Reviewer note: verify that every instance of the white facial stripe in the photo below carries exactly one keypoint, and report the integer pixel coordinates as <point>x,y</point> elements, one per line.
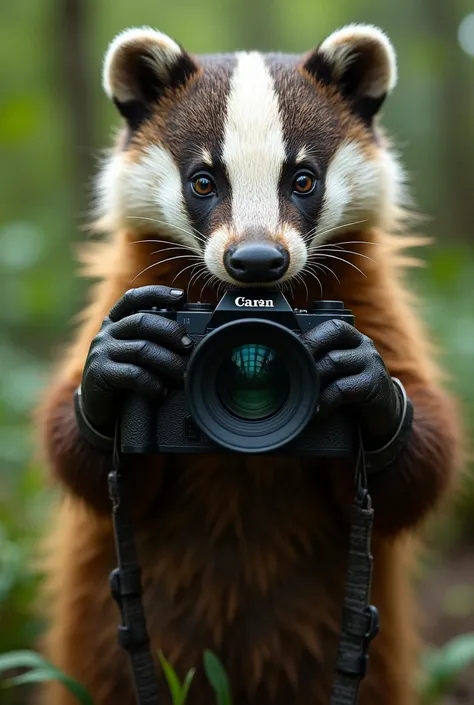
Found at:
<point>359,190</point>
<point>147,194</point>
<point>254,149</point>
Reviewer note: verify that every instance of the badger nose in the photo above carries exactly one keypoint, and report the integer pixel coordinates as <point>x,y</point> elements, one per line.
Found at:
<point>255,262</point>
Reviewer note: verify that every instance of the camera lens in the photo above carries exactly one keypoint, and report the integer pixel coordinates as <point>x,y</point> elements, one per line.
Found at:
<point>253,382</point>
<point>251,386</point>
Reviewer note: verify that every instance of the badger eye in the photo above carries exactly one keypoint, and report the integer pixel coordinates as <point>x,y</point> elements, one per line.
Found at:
<point>304,183</point>
<point>203,185</point>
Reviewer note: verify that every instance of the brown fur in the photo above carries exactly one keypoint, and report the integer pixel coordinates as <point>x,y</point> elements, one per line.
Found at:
<point>246,556</point>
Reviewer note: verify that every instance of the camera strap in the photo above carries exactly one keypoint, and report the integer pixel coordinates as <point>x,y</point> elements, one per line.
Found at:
<point>359,624</point>
<point>126,588</point>
<point>360,619</point>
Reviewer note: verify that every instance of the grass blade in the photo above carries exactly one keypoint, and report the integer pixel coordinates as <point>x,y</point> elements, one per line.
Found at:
<point>187,684</point>
<point>179,693</point>
<point>217,677</point>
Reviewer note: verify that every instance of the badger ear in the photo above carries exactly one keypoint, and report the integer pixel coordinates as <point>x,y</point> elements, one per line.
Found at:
<point>140,64</point>
<point>359,60</point>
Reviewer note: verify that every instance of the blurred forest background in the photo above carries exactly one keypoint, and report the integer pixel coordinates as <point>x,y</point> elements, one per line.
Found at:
<point>54,121</point>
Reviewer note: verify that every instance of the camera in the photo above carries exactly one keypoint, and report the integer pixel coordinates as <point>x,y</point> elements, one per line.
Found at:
<point>251,384</point>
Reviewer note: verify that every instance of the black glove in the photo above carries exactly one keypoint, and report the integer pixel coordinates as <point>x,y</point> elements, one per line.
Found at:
<point>353,372</point>
<point>139,353</point>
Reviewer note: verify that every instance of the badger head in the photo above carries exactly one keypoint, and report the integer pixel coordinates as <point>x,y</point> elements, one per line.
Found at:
<point>250,160</point>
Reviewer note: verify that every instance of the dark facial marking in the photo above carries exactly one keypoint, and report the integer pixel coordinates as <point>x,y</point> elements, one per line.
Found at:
<point>196,122</point>
<point>310,120</point>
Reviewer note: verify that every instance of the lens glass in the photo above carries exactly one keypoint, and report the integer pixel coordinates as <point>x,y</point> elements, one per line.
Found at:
<point>253,382</point>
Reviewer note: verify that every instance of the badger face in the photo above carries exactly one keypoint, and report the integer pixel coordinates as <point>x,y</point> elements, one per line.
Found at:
<point>250,160</point>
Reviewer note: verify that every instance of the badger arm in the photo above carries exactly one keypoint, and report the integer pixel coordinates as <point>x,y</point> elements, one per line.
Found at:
<point>79,467</point>
<point>405,491</point>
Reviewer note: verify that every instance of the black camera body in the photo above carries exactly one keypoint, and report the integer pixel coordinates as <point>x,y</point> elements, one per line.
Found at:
<point>251,385</point>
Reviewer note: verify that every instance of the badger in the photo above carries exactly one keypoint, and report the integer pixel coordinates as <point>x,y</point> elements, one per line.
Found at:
<point>246,170</point>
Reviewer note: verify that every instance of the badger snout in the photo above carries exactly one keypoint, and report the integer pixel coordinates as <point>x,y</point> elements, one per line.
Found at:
<point>256,262</point>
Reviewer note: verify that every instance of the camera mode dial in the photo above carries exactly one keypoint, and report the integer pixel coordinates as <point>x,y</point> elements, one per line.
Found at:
<point>327,305</point>
<point>198,307</point>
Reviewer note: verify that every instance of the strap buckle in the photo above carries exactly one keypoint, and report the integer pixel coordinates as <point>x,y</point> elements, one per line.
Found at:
<point>132,638</point>
<point>372,631</point>
<point>125,584</point>
<point>374,623</point>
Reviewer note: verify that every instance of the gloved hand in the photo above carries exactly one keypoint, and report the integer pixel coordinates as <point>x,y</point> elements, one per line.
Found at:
<point>138,353</point>
<point>353,373</point>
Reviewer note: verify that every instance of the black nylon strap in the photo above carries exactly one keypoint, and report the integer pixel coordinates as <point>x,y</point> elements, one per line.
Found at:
<point>126,589</point>
<point>360,621</point>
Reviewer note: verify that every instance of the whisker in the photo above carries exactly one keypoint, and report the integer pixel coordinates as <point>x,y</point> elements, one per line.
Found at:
<point>156,264</point>
<point>183,270</point>
<point>330,230</point>
<point>351,264</point>
<point>322,267</point>
<point>208,281</point>
<point>198,273</point>
<point>342,250</point>
<point>196,277</point>
<point>350,242</point>
<point>300,279</point>
<point>318,280</point>
<point>162,242</point>
<point>170,225</point>
<point>168,249</point>
<point>197,234</point>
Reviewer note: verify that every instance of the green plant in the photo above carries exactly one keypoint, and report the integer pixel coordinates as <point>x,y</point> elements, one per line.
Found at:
<point>40,670</point>
<point>217,677</point>
<point>179,692</point>
<point>442,667</point>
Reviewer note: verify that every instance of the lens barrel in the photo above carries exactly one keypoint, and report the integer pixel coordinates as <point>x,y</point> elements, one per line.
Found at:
<point>251,386</point>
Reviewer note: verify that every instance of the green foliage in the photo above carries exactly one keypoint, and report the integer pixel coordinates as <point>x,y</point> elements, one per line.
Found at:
<point>217,677</point>
<point>39,671</point>
<point>442,667</point>
<point>179,691</point>
<point>215,673</point>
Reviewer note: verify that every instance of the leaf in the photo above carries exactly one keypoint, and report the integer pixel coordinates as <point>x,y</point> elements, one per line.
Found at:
<point>443,666</point>
<point>179,693</point>
<point>20,659</point>
<point>187,684</point>
<point>41,671</point>
<point>217,677</point>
